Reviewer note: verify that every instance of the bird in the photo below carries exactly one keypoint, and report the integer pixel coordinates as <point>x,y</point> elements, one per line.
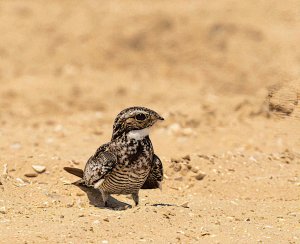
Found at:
<point>127,163</point>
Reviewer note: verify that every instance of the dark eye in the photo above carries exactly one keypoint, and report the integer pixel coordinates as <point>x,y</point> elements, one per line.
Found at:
<point>140,117</point>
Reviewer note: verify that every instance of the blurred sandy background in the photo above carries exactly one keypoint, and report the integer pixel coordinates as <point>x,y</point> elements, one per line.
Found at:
<point>224,74</point>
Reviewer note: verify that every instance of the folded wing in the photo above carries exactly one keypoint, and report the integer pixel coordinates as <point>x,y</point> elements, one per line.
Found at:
<point>155,176</point>
<point>98,166</point>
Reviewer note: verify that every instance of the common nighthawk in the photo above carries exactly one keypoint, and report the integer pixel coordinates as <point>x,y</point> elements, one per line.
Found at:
<point>127,163</point>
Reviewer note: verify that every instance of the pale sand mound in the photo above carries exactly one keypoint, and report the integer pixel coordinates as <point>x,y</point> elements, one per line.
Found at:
<point>284,99</point>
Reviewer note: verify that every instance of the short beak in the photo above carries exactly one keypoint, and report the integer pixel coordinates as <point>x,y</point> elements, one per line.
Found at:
<point>160,118</point>
<point>156,117</point>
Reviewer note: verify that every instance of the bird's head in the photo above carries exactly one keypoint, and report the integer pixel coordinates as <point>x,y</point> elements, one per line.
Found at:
<point>134,121</point>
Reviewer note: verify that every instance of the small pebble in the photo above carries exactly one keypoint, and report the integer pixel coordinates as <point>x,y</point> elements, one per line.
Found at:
<point>39,168</point>
<point>70,204</point>
<point>177,167</point>
<point>31,175</point>
<point>3,210</point>
<point>200,176</point>
<point>106,219</point>
<point>187,157</point>
<point>175,160</point>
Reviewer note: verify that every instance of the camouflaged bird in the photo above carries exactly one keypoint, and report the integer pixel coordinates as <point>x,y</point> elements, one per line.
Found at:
<point>127,163</point>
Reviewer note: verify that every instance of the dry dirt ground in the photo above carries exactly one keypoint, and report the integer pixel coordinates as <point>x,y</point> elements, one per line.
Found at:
<point>222,73</point>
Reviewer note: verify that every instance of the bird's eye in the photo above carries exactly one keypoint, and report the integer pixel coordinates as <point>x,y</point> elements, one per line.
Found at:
<point>140,117</point>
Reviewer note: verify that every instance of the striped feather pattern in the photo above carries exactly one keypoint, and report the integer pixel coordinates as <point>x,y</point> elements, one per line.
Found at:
<point>124,181</point>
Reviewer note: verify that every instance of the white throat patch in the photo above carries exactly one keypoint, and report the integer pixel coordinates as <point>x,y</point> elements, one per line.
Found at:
<point>138,134</point>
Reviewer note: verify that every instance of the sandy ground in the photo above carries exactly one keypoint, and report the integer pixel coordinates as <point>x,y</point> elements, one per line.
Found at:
<point>222,73</point>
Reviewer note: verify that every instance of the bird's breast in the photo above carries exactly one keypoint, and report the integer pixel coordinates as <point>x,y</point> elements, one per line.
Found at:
<point>132,169</point>
<point>135,153</point>
<point>125,179</point>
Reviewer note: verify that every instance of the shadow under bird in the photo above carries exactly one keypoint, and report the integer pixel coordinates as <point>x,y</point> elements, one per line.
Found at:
<point>127,163</point>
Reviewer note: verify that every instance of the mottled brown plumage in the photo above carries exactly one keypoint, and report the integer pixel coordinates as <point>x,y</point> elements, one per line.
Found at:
<point>127,163</point>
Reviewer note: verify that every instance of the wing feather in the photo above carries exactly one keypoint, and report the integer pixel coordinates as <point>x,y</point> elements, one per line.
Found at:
<point>98,166</point>
<point>74,171</point>
<point>155,176</point>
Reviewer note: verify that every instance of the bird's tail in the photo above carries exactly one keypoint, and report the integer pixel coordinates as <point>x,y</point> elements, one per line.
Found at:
<point>74,171</point>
